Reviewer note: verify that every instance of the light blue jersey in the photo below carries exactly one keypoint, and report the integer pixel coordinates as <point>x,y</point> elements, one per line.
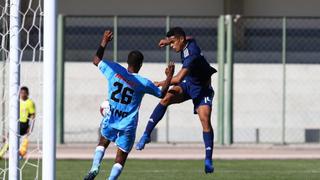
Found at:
<point>125,92</point>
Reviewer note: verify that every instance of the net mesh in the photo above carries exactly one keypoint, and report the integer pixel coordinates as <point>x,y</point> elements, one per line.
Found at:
<point>30,51</point>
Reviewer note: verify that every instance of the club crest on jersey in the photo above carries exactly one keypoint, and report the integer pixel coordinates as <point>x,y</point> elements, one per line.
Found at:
<point>185,52</point>
<point>207,99</point>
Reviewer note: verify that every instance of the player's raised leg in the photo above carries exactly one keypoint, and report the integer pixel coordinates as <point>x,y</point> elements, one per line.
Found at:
<point>174,95</point>
<point>204,112</point>
<point>97,158</point>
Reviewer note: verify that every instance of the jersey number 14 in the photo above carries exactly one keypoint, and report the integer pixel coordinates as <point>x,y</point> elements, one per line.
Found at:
<point>126,93</point>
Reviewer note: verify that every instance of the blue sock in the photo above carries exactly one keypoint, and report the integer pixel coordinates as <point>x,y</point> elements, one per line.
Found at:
<point>98,155</point>
<point>155,117</point>
<point>115,171</point>
<point>208,142</point>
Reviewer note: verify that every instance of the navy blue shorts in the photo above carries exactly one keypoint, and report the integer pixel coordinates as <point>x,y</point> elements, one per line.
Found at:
<point>200,95</point>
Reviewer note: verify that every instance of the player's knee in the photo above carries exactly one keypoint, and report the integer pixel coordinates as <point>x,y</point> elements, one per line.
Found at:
<point>166,100</point>
<point>206,124</point>
<point>205,121</point>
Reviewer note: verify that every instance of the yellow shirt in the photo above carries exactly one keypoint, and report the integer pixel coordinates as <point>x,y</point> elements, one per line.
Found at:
<point>27,108</point>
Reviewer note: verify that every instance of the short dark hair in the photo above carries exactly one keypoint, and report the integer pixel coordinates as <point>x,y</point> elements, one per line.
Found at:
<point>135,58</point>
<point>24,88</point>
<point>177,32</point>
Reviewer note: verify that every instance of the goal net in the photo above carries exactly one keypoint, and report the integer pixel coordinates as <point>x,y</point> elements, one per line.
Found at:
<point>30,64</point>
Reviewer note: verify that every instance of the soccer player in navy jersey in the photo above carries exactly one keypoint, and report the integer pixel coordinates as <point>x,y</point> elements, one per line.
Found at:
<point>125,91</point>
<point>193,81</point>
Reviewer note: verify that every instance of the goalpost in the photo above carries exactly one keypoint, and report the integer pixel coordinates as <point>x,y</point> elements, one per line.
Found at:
<point>14,84</point>
<point>49,65</point>
<point>48,78</point>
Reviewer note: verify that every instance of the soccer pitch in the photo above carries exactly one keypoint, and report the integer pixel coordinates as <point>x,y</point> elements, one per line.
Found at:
<point>190,169</point>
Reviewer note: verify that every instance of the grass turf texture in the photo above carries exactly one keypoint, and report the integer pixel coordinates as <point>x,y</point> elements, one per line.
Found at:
<point>190,169</point>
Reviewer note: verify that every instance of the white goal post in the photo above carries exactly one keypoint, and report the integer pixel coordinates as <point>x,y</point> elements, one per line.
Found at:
<point>14,84</point>
<point>49,66</point>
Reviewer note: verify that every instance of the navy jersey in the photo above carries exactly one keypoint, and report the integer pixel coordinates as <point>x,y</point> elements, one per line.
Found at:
<point>125,92</point>
<point>200,70</point>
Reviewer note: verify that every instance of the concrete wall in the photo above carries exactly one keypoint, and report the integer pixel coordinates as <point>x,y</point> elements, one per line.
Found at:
<point>86,90</point>
<point>257,103</point>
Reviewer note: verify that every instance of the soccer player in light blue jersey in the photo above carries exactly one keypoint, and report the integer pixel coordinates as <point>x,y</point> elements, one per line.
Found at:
<point>125,91</point>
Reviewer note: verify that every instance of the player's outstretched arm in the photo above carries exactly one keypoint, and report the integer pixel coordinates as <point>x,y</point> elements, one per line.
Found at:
<point>107,36</point>
<point>167,41</point>
<point>180,76</point>
<point>166,83</point>
<point>164,42</point>
<point>176,79</point>
<point>31,123</point>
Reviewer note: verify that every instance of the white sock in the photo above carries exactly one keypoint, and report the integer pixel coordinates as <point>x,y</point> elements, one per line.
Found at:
<point>115,171</point>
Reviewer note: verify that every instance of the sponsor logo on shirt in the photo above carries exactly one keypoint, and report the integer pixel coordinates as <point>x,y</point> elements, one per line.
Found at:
<point>185,52</point>
<point>130,83</point>
<point>117,112</point>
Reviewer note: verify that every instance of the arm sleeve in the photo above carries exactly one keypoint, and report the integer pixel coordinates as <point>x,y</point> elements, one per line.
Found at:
<point>150,88</point>
<point>32,108</point>
<point>188,62</point>
<point>107,67</point>
<point>189,55</point>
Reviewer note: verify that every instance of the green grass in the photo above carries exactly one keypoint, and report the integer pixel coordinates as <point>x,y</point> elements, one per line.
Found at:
<point>190,169</point>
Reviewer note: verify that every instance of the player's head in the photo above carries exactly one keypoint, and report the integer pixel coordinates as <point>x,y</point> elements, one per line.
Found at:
<point>135,60</point>
<point>24,92</point>
<point>177,38</point>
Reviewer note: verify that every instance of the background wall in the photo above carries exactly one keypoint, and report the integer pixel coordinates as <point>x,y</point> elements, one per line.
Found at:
<point>257,103</point>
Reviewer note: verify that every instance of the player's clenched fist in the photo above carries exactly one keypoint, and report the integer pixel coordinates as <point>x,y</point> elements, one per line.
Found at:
<point>164,42</point>
<point>170,69</point>
<point>157,83</point>
<point>107,36</point>
<point>169,73</point>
